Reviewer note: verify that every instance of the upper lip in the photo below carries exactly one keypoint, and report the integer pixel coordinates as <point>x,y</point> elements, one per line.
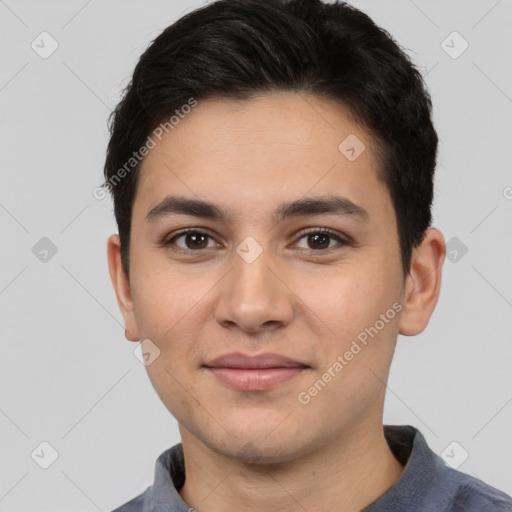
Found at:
<point>266,360</point>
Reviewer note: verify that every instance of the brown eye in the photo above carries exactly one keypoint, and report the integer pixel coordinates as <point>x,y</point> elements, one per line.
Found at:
<point>193,240</point>
<point>320,239</point>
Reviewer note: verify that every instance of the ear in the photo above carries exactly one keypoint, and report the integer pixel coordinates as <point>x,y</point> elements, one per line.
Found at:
<point>423,283</point>
<point>121,287</point>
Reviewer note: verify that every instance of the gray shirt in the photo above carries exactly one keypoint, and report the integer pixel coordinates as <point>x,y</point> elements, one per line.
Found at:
<point>427,484</point>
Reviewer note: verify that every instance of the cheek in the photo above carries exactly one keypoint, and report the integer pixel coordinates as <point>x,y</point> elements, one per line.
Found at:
<point>170,309</point>
<point>166,309</point>
<point>165,300</point>
<point>351,303</point>
<point>174,391</point>
<point>349,298</point>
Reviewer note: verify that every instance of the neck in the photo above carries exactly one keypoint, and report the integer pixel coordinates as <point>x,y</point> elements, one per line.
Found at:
<point>346,474</point>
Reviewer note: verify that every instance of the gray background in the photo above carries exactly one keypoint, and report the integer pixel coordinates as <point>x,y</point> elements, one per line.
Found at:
<point>68,376</point>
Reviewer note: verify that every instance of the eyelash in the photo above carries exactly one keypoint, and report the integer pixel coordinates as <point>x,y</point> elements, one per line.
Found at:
<point>309,231</point>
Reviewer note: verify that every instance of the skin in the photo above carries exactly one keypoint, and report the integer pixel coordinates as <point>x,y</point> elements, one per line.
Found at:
<point>264,450</point>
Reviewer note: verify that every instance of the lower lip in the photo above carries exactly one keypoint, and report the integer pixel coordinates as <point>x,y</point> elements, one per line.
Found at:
<point>255,379</point>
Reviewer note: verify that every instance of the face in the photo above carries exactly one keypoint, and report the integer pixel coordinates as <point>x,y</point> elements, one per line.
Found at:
<point>296,255</point>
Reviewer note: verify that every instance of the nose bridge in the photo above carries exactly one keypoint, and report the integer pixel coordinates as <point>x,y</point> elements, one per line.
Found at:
<point>251,273</point>
<point>253,297</point>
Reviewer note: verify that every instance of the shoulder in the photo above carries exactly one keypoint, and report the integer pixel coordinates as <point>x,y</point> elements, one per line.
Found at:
<point>169,476</point>
<point>473,495</point>
<point>137,504</point>
<point>429,484</point>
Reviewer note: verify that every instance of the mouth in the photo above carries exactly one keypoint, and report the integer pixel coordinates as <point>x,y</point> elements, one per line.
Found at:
<point>254,373</point>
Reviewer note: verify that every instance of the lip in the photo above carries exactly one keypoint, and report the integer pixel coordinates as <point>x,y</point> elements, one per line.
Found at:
<point>254,373</point>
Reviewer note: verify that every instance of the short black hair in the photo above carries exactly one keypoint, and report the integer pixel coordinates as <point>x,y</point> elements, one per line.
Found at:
<point>240,48</point>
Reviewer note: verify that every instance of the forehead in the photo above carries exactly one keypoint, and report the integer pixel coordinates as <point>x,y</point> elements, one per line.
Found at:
<point>270,146</point>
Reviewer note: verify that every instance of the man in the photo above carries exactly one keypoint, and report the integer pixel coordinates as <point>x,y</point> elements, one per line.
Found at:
<point>271,164</point>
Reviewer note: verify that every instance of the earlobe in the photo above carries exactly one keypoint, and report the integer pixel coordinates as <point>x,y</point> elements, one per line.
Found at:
<point>423,283</point>
<point>121,285</point>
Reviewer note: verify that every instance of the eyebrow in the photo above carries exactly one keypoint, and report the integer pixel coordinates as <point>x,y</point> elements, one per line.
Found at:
<point>302,207</point>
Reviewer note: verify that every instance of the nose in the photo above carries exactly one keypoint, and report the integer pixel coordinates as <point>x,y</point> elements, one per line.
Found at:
<point>254,297</point>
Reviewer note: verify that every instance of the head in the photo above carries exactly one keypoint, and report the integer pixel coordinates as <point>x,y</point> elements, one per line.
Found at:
<point>295,138</point>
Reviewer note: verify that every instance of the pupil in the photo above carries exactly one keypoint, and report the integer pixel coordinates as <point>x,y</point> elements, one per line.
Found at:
<point>316,237</point>
<point>195,236</point>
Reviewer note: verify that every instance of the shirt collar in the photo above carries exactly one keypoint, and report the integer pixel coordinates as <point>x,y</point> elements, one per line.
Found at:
<point>418,486</point>
<point>423,470</point>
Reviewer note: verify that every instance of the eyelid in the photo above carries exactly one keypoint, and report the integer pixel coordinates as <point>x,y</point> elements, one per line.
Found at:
<point>343,240</point>
<point>166,242</point>
<point>326,231</point>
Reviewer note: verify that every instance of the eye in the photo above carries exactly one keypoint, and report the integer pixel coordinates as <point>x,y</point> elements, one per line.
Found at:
<point>320,238</point>
<point>193,240</point>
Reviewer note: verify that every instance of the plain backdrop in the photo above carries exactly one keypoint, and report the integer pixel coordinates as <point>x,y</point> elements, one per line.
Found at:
<point>69,378</point>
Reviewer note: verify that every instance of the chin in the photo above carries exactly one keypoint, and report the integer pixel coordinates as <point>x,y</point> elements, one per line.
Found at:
<point>260,444</point>
<point>259,453</point>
